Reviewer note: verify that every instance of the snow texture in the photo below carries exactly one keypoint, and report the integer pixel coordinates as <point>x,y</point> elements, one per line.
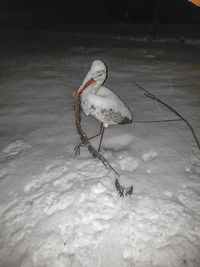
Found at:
<point>59,210</point>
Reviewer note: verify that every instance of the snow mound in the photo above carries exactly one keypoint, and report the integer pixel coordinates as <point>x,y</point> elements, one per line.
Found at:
<point>118,142</point>
<point>149,155</point>
<point>127,163</point>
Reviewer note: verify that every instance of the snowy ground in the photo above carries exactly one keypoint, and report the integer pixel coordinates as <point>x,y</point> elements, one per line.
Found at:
<point>59,210</point>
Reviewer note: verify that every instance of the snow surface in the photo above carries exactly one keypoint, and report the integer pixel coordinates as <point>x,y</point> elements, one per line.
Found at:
<point>59,210</point>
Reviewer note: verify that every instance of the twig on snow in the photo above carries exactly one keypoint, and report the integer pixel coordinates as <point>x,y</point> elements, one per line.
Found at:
<point>150,95</point>
<point>123,191</point>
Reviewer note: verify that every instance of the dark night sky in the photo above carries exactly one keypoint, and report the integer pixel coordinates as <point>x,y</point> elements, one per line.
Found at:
<point>134,11</point>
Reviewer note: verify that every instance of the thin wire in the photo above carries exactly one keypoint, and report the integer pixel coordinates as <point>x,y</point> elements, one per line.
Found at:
<point>152,121</point>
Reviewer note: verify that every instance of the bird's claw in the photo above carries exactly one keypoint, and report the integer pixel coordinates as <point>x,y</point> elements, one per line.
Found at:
<point>77,149</point>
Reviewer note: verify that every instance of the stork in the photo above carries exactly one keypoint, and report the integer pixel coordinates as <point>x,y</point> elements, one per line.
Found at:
<point>100,101</point>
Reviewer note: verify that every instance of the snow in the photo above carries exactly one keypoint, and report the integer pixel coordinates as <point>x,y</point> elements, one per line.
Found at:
<point>59,210</point>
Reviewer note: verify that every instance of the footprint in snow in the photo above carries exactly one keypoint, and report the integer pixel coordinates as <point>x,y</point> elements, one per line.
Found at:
<point>4,171</point>
<point>189,197</point>
<point>127,163</point>
<point>54,172</point>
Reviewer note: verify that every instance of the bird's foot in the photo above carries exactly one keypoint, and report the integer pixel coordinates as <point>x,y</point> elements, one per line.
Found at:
<point>78,148</point>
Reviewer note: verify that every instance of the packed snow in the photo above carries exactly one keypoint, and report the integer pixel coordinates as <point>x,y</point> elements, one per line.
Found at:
<point>62,210</point>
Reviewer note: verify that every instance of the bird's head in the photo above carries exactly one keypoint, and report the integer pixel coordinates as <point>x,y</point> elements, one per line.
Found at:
<point>97,74</point>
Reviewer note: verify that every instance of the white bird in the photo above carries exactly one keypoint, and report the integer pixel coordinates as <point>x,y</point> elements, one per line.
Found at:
<point>101,102</point>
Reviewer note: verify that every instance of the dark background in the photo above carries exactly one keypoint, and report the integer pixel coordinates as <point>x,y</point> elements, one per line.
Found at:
<point>135,18</point>
<point>134,11</point>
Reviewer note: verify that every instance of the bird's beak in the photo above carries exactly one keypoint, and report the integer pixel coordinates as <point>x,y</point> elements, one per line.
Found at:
<point>85,86</point>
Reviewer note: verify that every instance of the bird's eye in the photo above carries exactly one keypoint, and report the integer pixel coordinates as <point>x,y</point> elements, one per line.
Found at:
<point>99,74</point>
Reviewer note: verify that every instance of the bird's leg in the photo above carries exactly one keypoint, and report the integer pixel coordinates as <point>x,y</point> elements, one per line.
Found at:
<point>102,132</point>
<point>101,127</point>
<point>78,147</point>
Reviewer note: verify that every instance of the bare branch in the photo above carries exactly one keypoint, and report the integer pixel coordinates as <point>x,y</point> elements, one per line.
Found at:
<point>123,191</point>
<point>150,95</point>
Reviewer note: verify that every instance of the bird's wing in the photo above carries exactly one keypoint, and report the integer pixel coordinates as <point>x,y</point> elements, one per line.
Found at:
<point>107,99</point>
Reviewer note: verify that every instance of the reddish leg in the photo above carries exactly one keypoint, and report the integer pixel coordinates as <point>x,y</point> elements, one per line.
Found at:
<point>78,147</point>
<point>101,139</point>
<point>101,127</point>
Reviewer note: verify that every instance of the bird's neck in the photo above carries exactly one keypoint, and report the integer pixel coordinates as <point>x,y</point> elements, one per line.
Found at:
<point>96,86</point>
